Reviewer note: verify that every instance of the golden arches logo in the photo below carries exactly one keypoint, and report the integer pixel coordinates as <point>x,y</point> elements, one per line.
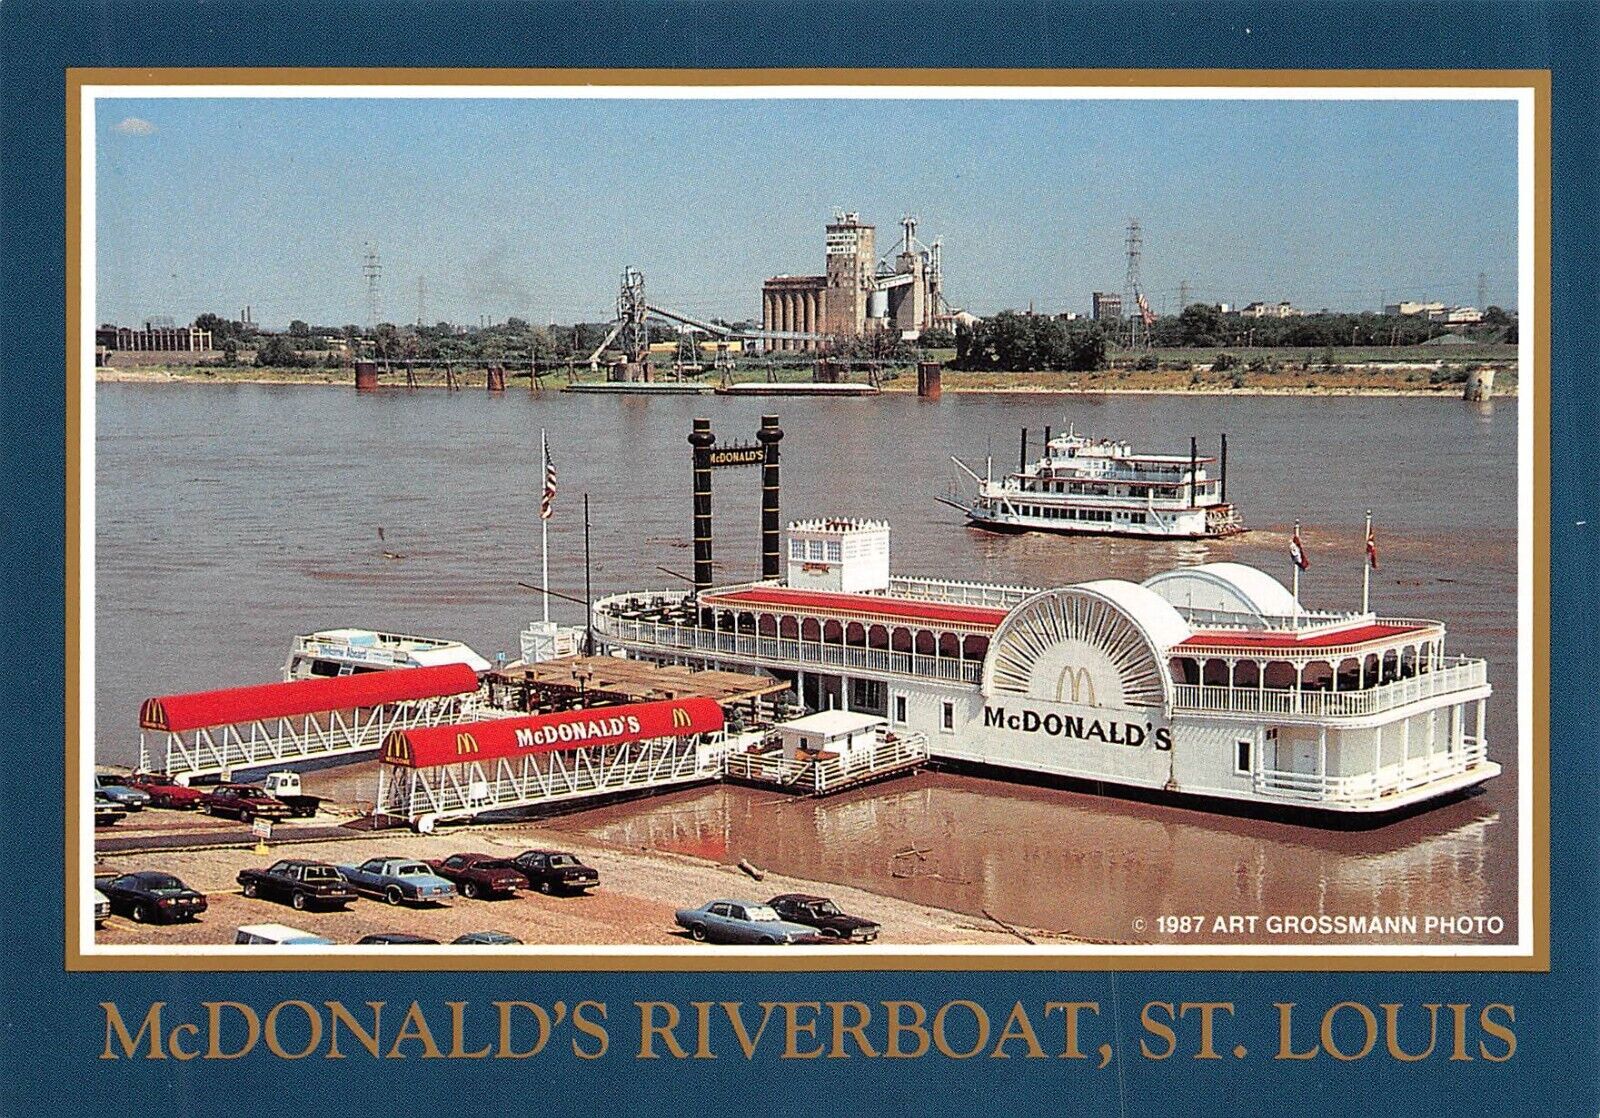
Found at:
<point>466,743</point>
<point>680,719</point>
<point>1075,686</point>
<point>397,748</point>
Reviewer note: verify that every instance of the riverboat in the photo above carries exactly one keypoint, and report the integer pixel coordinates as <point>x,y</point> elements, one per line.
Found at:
<point>1089,486</point>
<point>1207,683</point>
<point>343,652</point>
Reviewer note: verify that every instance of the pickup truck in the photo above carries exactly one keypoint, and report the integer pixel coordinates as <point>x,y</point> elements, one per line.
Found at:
<point>285,786</point>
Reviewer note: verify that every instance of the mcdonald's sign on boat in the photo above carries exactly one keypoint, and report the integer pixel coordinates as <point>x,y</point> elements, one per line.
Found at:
<point>1206,683</point>
<point>549,733</point>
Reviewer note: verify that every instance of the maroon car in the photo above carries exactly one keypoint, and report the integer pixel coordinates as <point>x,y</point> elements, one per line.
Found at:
<point>164,791</point>
<point>479,875</point>
<point>245,802</point>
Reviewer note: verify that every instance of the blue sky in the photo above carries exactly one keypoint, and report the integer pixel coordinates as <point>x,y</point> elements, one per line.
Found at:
<point>533,207</point>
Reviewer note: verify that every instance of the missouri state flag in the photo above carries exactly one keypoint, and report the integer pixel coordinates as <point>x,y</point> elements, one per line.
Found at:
<point>1297,550</point>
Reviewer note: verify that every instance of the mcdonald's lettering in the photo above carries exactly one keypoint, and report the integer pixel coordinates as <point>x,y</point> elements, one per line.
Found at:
<point>1077,728</point>
<point>579,732</point>
<point>466,743</point>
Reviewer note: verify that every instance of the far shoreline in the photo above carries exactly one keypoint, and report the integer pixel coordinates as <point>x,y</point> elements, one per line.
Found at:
<point>995,384</point>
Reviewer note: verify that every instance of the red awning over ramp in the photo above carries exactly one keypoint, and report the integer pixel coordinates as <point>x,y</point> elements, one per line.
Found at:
<point>233,705</point>
<point>550,733</point>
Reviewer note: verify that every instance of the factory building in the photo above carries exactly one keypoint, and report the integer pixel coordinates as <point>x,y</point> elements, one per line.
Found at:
<point>1107,306</point>
<point>857,294</point>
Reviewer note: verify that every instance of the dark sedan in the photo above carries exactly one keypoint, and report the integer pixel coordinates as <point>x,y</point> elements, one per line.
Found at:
<point>385,939</point>
<point>555,871</point>
<point>490,939</point>
<point>150,896</point>
<point>298,883</point>
<point>245,802</point>
<point>825,916</point>
<point>480,875</point>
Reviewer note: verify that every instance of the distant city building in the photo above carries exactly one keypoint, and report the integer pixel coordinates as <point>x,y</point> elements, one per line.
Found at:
<point>1411,307</point>
<point>154,337</point>
<point>1270,310</point>
<point>1456,316</point>
<point>1106,305</point>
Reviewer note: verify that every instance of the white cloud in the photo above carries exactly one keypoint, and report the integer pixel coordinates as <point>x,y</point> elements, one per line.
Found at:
<point>134,126</point>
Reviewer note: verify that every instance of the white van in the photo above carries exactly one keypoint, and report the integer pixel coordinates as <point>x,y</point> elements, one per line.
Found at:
<point>278,934</point>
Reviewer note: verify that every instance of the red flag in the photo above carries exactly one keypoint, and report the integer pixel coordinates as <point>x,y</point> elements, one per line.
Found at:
<point>1297,551</point>
<point>547,500</point>
<point>1372,547</point>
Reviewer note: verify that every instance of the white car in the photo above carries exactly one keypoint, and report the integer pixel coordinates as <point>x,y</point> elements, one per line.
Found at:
<point>278,934</point>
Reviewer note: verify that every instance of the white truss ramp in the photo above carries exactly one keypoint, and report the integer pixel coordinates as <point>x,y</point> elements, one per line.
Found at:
<point>215,733</point>
<point>456,772</point>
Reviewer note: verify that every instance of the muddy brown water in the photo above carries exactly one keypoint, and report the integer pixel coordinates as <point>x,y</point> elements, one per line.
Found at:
<point>230,518</point>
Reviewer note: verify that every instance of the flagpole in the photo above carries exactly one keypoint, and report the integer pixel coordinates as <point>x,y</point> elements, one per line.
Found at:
<point>1366,562</point>
<point>544,529</point>
<point>1296,565</point>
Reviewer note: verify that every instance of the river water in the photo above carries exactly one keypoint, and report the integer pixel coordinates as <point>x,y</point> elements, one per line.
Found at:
<point>230,518</point>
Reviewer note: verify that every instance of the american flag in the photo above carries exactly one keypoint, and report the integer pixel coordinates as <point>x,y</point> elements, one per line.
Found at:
<point>1372,546</point>
<point>548,498</point>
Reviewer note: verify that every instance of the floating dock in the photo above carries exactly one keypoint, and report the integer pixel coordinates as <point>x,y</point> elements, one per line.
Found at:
<point>641,388</point>
<point>759,388</point>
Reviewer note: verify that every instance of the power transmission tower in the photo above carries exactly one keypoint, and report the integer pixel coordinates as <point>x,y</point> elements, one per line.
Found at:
<point>1183,296</point>
<point>1134,305</point>
<point>422,301</point>
<point>371,269</point>
<point>1483,290</point>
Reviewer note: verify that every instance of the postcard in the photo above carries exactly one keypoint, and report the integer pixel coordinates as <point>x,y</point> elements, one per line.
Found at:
<point>708,569</point>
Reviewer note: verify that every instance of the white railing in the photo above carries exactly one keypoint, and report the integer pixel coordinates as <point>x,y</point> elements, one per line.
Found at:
<point>892,750</point>
<point>1460,675</point>
<point>781,652</point>
<point>213,750</point>
<point>471,788</point>
<point>1369,787</point>
<point>959,593</point>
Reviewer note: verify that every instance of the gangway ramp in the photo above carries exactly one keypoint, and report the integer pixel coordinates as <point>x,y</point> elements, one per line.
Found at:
<point>214,733</point>
<point>450,772</point>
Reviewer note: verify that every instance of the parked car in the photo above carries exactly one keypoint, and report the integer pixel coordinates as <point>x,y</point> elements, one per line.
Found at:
<point>298,883</point>
<point>742,922</point>
<point>245,802</point>
<point>387,938</point>
<point>555,871</point>
<point>823,915</point>
<point>285,786</point>
<point>278,934</point>
<point>113,789</point>
<point>102,909</point>
<point>480,875</point>
<point>164,791</point>
<point>398,880</point>
<point>106,812</point>
<point>487,938</point>
<point>148,896</point>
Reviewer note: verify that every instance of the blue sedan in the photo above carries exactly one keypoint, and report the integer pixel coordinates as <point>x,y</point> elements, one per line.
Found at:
<point>398,881</point>
<point>743,922</point>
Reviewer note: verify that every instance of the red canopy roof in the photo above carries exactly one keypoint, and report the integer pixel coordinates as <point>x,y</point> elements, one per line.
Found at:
<point>878,605</point>
<point>305,696</point>
<point>550,733</point>
<point>1279,641</point>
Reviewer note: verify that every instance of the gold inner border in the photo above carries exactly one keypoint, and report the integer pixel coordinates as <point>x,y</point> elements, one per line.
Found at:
<point>1303,959</point>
